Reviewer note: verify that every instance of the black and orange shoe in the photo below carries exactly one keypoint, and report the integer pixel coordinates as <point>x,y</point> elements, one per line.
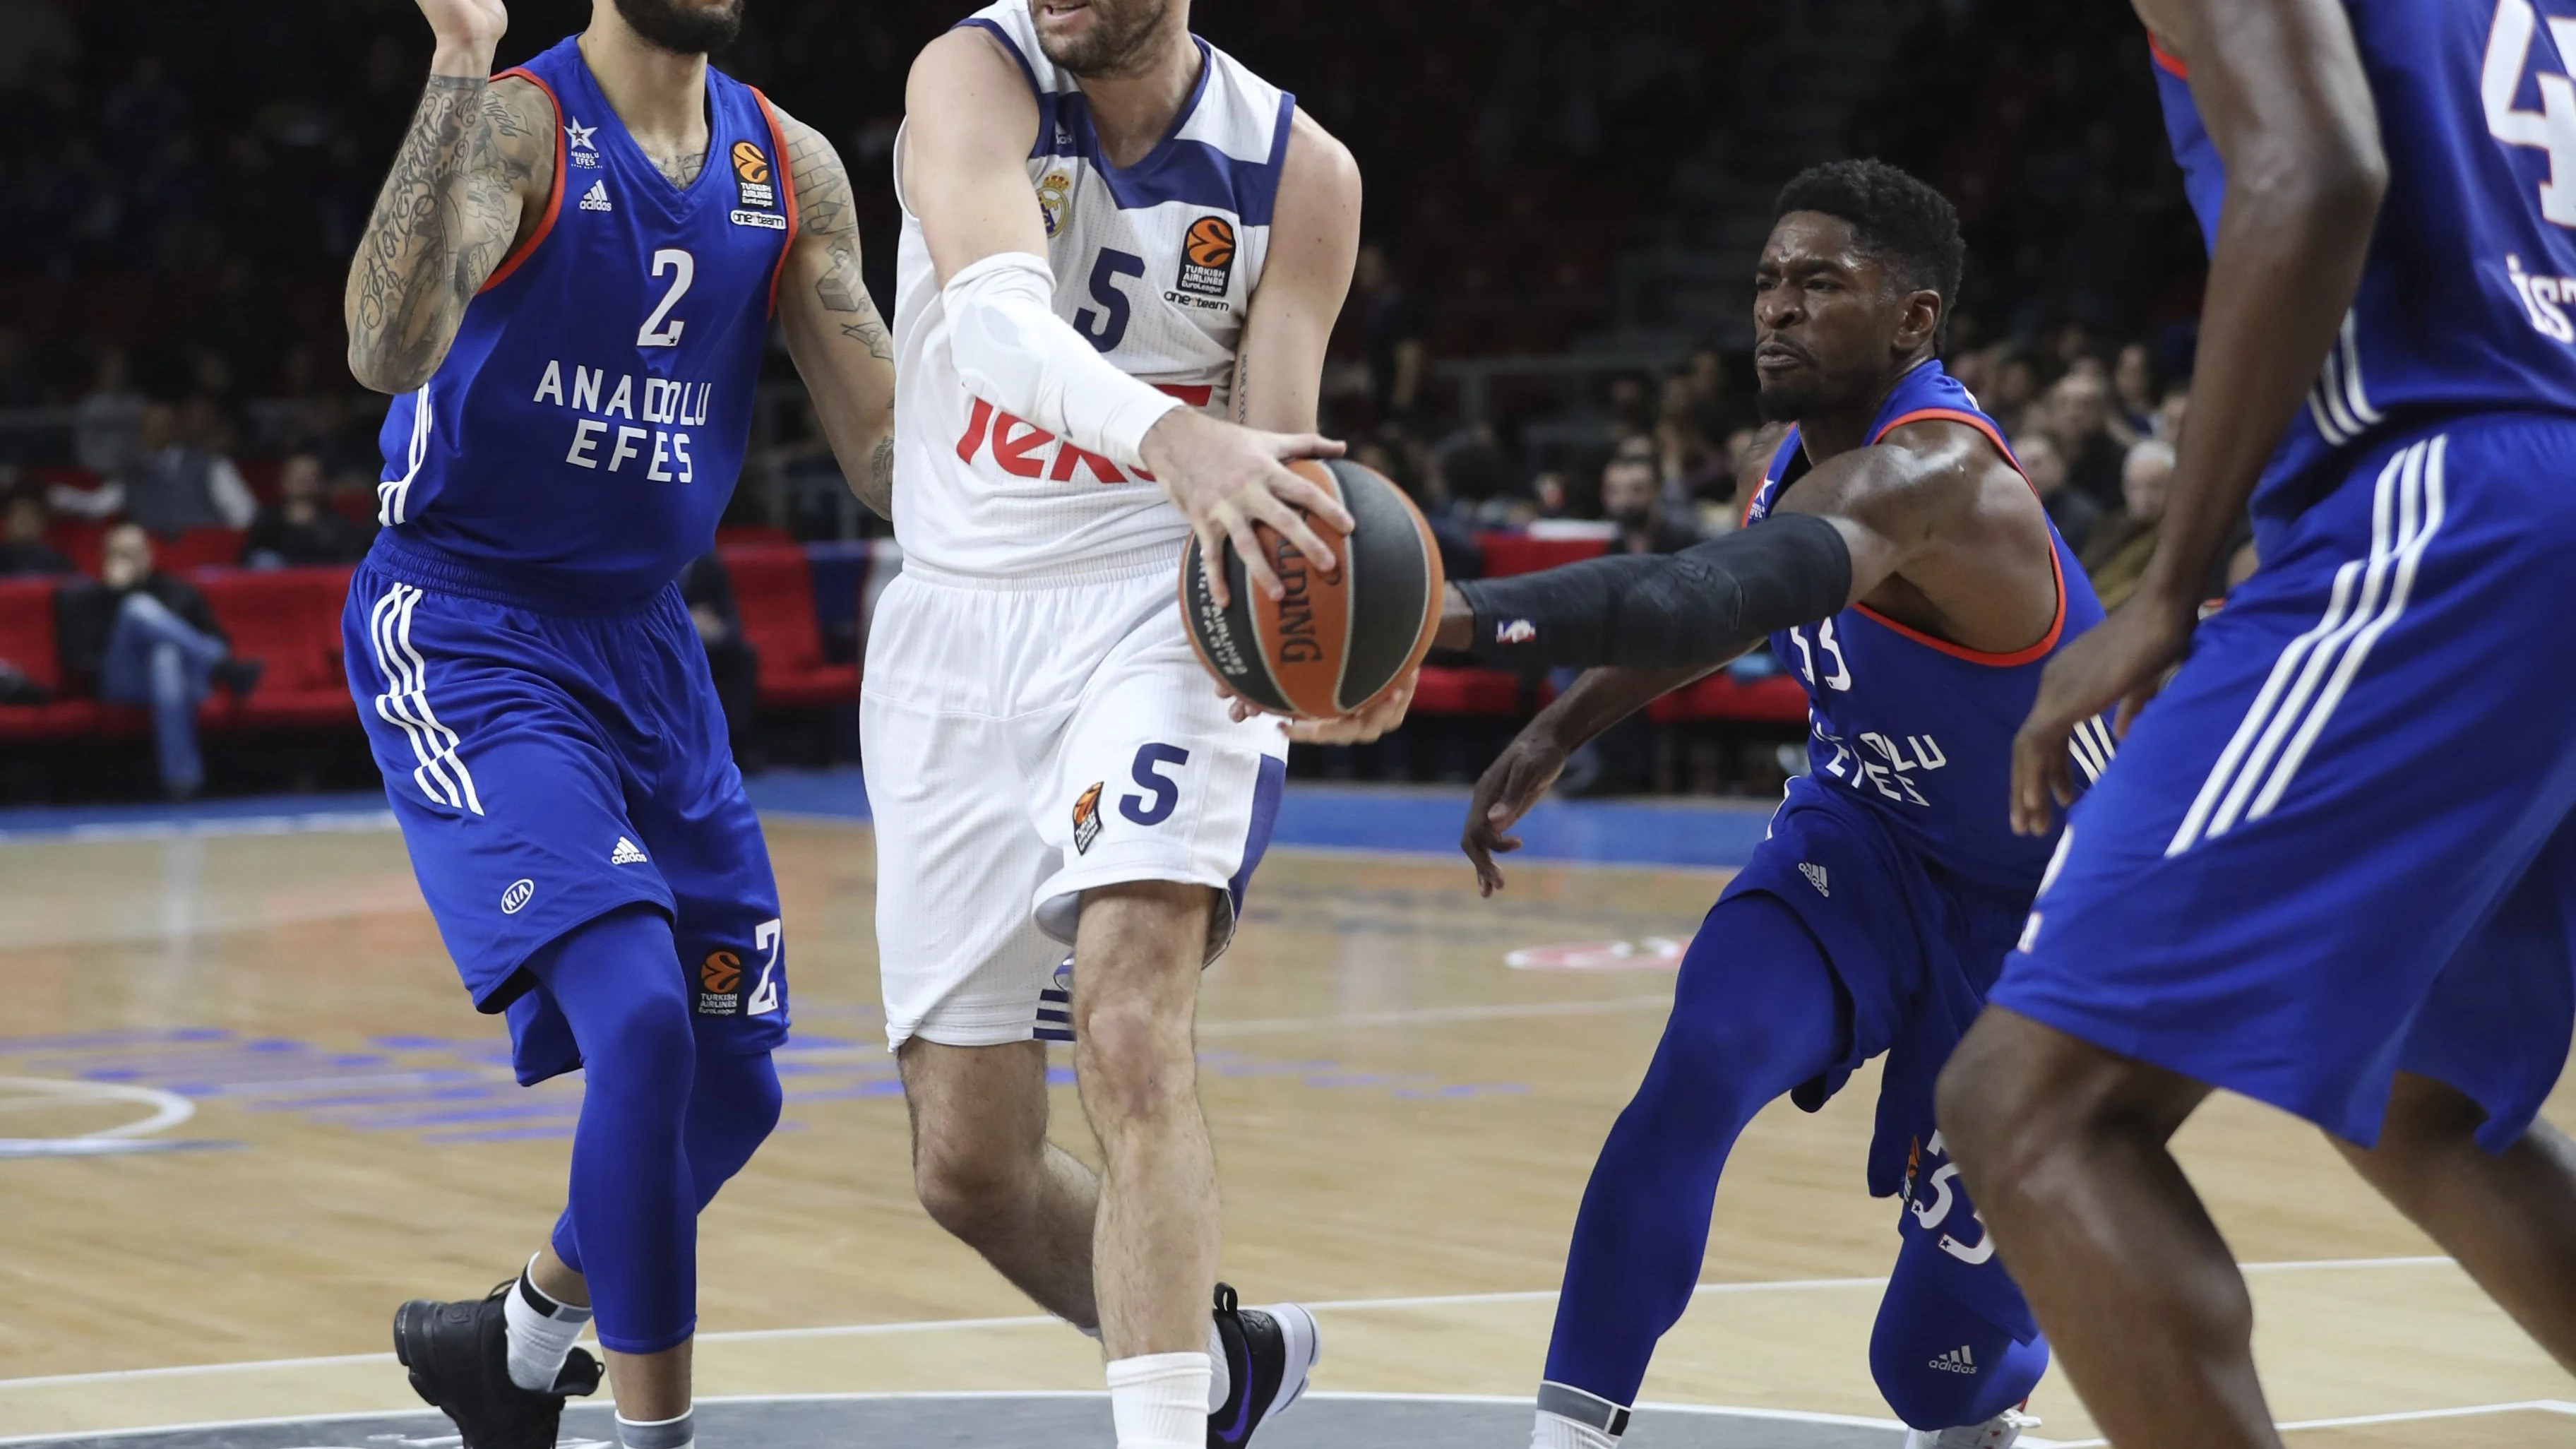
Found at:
<point>1268,1354</point>
<point>459,1357</point>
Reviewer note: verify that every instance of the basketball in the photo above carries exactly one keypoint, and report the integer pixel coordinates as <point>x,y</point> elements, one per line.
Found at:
<point>1331,642</point>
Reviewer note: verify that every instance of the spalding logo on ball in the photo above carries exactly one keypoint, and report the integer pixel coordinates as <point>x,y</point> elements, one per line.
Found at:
<point>1333,641</point>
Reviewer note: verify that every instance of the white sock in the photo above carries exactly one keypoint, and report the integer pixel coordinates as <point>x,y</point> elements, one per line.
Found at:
<point>541,1334</point>
<point>679,1433</point>
<point>1555,1431</point>
<point>1221,1380</point>
<point>1159,1400</point>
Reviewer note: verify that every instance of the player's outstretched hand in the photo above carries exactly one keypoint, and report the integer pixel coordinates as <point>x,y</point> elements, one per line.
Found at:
<point>1364,725</point>
<point>1227,478</point>
<point>2122,660</point>
<point>1510,786</point>
<point>466,29</point>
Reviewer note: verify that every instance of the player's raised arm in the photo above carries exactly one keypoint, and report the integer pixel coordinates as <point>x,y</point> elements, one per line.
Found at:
<point>969,120</point>
<point>2280,86</point>
<point>1859,519</point>
<point>834,331</point>
<point>460,191</point>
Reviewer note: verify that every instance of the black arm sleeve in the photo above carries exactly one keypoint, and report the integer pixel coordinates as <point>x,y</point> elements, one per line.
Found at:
<point>1703,605</point>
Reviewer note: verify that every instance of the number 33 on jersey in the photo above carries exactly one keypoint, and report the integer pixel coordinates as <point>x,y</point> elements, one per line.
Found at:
<point>592,414</point>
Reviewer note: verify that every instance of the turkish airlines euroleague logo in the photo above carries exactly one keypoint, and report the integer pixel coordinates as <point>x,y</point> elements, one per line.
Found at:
<point>1207,258</point>
<point>751,176</point>
<point>720,984</point>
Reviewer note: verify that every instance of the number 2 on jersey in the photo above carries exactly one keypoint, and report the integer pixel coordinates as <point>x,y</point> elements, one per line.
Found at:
<point>653,333</point>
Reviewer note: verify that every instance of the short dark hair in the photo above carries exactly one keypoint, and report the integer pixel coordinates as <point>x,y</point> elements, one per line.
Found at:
<point>1905,223</point>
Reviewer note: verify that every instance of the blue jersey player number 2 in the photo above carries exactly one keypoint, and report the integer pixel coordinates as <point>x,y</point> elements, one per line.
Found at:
<point>568,285</point>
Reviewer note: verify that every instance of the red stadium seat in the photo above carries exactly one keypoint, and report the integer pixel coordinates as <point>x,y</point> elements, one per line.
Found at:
<point>1776,699</point>
<point>196,549</point>
<point>773,590</point>
<point>1446,691</point>
<point>82,540</point>
<point>27,641</point>
<point>745,535</point>
<point>289,619</point>
<point>1515,553</point>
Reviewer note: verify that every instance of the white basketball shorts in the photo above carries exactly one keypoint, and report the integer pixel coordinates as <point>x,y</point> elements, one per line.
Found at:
<point>1026,741</point>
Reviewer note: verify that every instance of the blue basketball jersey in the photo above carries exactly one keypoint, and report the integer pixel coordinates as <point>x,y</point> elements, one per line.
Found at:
<point>1917,728</point>
<point>583,434</point>
<point>2465,302</point>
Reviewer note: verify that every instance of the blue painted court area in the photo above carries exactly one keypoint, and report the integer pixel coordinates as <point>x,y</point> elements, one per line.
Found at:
<point>1401,820</point>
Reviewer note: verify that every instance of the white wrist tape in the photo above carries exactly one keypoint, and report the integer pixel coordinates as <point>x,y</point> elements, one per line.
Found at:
<point>1014,352</point>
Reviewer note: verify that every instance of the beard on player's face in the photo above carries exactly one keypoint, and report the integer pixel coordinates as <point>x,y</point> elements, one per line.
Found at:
<point>1103,38</point>
<point>681,27</point>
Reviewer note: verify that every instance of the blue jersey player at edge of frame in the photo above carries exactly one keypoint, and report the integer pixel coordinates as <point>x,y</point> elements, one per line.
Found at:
<point>2334,869</point>
<point>1900,562</point>
<point>568,283</point>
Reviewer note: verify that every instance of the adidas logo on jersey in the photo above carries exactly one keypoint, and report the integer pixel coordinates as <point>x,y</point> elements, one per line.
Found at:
<point>1957,1361</point>
<point>1815,875</point>
<point>627,853</point>
<point>596,198</point>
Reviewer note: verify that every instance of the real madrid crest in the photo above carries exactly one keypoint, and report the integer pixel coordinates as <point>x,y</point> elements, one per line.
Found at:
<point>1055,193</point>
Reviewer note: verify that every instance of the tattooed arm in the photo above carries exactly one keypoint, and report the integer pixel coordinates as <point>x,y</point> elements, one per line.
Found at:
<point>840,342</point>
<point>470,179</point>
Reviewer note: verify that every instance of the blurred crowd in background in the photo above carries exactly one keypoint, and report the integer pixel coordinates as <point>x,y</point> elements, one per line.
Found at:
<point>183,184</point>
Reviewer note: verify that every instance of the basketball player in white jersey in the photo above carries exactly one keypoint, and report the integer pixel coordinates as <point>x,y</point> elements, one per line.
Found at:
<point>1122,255</point>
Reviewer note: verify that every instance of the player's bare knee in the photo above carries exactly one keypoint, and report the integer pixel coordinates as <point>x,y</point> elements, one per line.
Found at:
<point>1980,1092</point>
<point>2427,1121</point>
<point>1134,1061</point>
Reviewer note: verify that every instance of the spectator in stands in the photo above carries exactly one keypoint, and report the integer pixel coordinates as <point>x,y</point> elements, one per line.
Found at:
<point>708,591</point>
<point>139,636</point>
<point>1687,453</point>
<point>107,435</point>
<point>2075,514</point>
<point>2125,539</point>
<point>300,528</point>
<point>1392,333</point>
<point>24,551</point>
<point>1632,497</point>
<point>2077,414</point>
<point>2133,391</point>
<point>2170,414</point>
<point>176,482</point>
<point>1461,557</point>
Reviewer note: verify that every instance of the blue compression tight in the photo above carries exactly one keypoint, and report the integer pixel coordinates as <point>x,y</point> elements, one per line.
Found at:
<point>661,1128</point>
<point>1756,1012</point>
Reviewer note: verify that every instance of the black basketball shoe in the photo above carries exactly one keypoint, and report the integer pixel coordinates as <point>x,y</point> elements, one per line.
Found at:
<point>1268,1353</point>
<point>459,1357</point>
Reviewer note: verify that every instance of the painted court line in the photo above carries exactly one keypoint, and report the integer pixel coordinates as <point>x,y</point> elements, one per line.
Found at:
<point>2356,1421</point>
<point>955,1325</point>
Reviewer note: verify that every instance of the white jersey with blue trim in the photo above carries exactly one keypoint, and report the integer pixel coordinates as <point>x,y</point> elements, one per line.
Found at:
<point>1155,264</point>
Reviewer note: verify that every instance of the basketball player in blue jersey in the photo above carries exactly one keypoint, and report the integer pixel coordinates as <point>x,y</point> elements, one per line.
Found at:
<point>1897,557</point>
<point>568,281</point>
<point>2334,869</point>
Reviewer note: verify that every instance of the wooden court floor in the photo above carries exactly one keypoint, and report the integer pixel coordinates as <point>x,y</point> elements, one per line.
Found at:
<point>1404,1123</point>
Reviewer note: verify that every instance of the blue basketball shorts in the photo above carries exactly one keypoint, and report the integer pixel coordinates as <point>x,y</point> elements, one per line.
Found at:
<point>1914,949</point>
<point>2337,845</point>
<point>548,768</point>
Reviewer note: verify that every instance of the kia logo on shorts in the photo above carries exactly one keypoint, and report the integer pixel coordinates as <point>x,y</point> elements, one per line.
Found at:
<point>517,896</point>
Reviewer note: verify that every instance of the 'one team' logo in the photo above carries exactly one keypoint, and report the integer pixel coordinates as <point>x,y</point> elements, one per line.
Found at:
<point>1055,196</point>
<point>1086,820</point>
<point>1207,258</point>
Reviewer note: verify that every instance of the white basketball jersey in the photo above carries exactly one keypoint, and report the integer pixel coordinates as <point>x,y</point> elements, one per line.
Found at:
<point>1155,264</point>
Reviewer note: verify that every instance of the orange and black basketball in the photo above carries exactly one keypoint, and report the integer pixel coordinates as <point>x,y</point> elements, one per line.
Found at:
<point>1335,640</point>
<point>1211,242</point>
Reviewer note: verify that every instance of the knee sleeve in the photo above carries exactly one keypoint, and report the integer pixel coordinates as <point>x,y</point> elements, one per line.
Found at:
<point>631,1227</point>
<point>1939,1362</point>
<point>731,1112</point>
